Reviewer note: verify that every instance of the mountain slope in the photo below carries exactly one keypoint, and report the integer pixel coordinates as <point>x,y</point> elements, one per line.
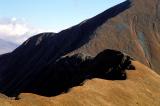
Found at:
<point>134,31</point>
<point>141,88</point>
<point>131,27</point>
<point>6,47</point>
<point>34,55</point>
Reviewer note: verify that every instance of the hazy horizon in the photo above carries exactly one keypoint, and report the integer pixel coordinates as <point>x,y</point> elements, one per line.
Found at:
<point>21,19</point>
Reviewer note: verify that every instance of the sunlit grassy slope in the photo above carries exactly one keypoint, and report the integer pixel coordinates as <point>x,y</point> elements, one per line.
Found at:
<point>142,88</point>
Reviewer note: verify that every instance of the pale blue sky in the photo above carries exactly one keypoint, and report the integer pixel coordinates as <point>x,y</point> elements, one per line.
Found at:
<point>54,14</point>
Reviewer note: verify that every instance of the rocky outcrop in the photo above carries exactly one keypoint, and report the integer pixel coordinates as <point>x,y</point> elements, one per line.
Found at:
<point>113,64</point>
<point>69,71</point>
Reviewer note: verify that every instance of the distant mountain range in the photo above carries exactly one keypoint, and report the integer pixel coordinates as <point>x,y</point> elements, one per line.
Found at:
<point>6,46</point>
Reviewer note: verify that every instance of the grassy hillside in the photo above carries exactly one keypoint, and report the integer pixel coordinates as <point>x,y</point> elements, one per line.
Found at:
<point>141,88</point>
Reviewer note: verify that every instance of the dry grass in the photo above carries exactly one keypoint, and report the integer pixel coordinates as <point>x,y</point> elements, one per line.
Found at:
<point>142,88</point>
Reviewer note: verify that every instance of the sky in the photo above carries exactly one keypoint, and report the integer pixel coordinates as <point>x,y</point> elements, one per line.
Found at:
<point>21,19</point>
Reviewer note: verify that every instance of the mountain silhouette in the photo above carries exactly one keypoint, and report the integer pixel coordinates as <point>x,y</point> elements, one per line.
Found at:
<point>20,68</point>
<point>131,27</point>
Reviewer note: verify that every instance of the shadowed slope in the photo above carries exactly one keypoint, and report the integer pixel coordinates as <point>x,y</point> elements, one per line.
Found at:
<point>32,56</point>
<point>70,71</point>
<point>134,31</point>
<point>141,88</point>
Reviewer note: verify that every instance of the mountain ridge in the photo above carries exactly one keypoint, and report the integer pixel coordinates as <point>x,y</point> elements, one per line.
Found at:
<point>30,59</point>
<point>131,27</point>
<point>140,88</point>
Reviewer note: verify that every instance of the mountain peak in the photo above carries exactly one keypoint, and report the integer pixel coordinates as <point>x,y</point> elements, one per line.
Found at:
<point>131,27</point>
